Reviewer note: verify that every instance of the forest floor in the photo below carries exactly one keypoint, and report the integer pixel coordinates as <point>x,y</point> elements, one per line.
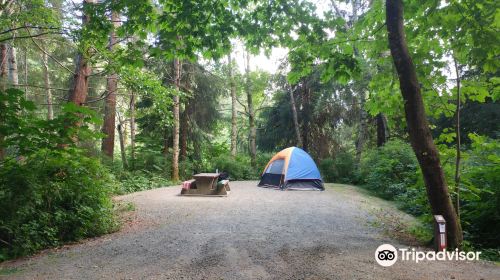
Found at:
<point>254,233</point>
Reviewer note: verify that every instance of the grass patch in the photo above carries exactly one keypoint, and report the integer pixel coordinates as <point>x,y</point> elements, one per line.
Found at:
<point>123,206</point>
<point>402,227</point>
<point>125,211</point>
<point>6,271</point>
<point>393,223</point>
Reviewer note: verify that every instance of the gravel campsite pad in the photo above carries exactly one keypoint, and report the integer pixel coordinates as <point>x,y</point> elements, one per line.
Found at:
<point>254,233</point>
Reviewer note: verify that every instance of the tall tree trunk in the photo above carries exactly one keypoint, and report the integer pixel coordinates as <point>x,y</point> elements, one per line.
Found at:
<point>3,87</point>
<point>13,73</point>
<point>360,141</point>
<point>184,126</point>
<point>295,118</point>
<point>122,144</point>
<point>306,116</point>
<point>79,87</point>
<point>457,135</point>
<point>185,116</point>
<point>175,145</point>
<point>234,128</point>
<point>363,115</point>
<point>382,130</point>
<point>125,133</point>
<point>3,66</point>
<point>418,126</point>
<point>46,78</point>
<point>132,129</point>
<point>251,113</point>
<point>108,128</point>
<point>362,132</point>
<point>4,73</point>
<point>197,155</point>
<point>25,62</point>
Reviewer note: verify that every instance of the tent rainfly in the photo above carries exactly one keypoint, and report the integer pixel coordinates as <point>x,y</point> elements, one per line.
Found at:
<point>292,168</point>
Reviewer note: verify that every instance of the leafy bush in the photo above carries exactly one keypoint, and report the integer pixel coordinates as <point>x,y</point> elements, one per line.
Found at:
<point>152,160</point>
<point>186,169</point>
<point>389,169</point>
<point>479,189</point>
<point>327,169</point>
<point>339,169</point>
<point>140,181</point>
<point>51,192</point>
<point>480,193</point>
<point>55,196</point>
<point>344,167</point>
<point>239,168</point>
<point>392,172</point>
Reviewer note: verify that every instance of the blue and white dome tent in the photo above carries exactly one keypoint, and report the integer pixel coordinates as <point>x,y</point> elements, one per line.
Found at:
<point>292,169</point>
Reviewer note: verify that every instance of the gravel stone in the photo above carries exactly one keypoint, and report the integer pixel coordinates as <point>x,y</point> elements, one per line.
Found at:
<point>254,233</point>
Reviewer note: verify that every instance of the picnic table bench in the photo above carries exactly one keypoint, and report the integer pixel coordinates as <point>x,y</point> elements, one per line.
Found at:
<point>206,184</point>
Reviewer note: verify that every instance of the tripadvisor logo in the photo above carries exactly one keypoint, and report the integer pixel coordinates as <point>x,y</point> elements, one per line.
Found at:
<point>387,255</point>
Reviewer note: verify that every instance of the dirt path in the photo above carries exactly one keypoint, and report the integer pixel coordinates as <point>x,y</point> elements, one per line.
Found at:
<point>253,233</point>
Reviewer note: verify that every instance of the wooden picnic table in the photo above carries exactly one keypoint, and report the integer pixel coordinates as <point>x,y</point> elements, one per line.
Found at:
<point>206,184</point>
<point>206,180</point>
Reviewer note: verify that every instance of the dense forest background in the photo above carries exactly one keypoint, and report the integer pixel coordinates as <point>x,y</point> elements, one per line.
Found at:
<point>100,98</point>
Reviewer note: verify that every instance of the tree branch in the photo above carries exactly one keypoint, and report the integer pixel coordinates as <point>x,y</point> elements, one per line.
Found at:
<point>32,27</point>
<point>237,100</point>
<point>32,36</point>
<point>49,55</point>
